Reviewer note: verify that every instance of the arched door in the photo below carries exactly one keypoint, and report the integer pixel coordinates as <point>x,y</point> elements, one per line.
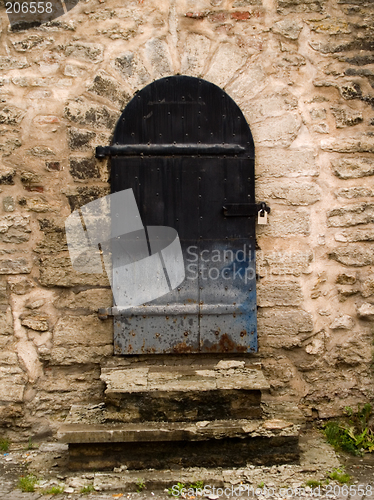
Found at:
<point>185,149</point>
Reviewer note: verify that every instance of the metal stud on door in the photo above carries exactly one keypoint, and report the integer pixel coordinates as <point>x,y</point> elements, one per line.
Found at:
<point>184,148</point>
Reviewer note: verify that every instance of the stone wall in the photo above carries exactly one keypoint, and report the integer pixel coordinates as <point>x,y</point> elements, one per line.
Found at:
<point>303,73</point>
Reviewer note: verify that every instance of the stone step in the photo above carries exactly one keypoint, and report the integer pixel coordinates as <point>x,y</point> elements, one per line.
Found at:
<point>224,390</point>
<point>164,445</point>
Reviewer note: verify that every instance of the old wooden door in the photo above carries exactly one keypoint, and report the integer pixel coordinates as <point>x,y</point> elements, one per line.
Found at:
<point>185,149</point>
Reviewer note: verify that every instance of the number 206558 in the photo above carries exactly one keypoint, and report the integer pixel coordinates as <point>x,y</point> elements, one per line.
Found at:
<point>28,7</point>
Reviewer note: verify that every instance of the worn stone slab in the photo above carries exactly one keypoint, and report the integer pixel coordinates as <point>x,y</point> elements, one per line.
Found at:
<point>172,431</point>
<point>178,379</point>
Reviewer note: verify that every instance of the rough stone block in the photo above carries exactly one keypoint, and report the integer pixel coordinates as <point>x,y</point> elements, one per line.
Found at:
<point>104,85</point>
<point>54,239</point>
<point>353,255</point>
<point>15,228</point>
<point>270,105</point>
<point>351,215</point>
<point>366,311</point>
<point>82,330</point>
<point>353,168</point>
<point>277,131</point>
<point>274,162</point>
<point>16,265</point>
<point>158,55</point>
<point>93,115</point>
<point>80,139</point>
<point>288,6</point>
<point>89,299</point>
<point>59,272</point>
<point>82,195</point>
<point>77,355</point>
<point>7,175</point>
<point>250,82</point>
<point>346,118</point>
<point>194,54</point>
<point>12,388</point>
<point>272,293</point>
<point>84,168</point>
<point>91,52</point>
<point>355,192</point>
<point>343,322</point>
<point>283,328</point>
<point>360,234</point>
<point>284,223</point>
<point>283,263</point>
<point>346,278</point>
<point>367,288</point>
<point>288,28</point>
<point>289,192</point>
<point>10,115</point>
<point>132,69</point>
<point>226,61</point>
<point>37,322</point>
<point>8,62</point>
<point>359,144</point>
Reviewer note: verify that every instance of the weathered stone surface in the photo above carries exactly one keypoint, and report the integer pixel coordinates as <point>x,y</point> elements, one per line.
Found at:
<point>195,51</point>
<point>6,322</point>
<point>353,255</point>
<point>366,311</point>
<point>89,299</point>
<point>7,175</point>
<point>360,234</point>
<point>12,388</point>
<point>343,322</point>
<point>158,55</point>
<point>271,105</point>
<point>288,28</point>
<point>59,272</point>
<point>77,355</point>
<point>346,118</point>
<point>330,26</point>
<point>38,204</point>
<point>355,192</point>
<point>105,86</point>
<point>352,352</point>
<point>84,168</point>
<point>91,52</point>
<point>29,42</point>
<point>287,6</point>
<point>278,131</point>
<point>85,113</point>
<point>353,168</point>
<point>250,82</point>
<point>346,278</point>
<point>273,162</point>
<point>289,192</point>
<point>15,228</point>
<point>359,144</point>
<point>9,204</point>
<point>41,151</point>
<point>54,239</point>
<point>278,293</point>
<point>283,263</point>
<point>7,62</point>
<point>16,265</point>
<point>36,322</point>
<point>284,223</point>
<point>82,330</point>
<point>351,215</point>
<point>83,195</point>
<point>367,288</point>
<point>226,61</point>
<point>80,139</point>
<point>20,286</point>
<point>10,115</point>
<point>132,69</point>
<point>283,328</point>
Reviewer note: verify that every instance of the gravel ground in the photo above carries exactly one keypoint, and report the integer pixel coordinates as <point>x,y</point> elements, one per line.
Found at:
<point>49,464</point>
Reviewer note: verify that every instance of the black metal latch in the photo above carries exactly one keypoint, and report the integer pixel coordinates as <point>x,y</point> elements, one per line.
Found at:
<point>245,209</point>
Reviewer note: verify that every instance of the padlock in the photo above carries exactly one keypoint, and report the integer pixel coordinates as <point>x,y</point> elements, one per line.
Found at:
<point>262,218</point>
